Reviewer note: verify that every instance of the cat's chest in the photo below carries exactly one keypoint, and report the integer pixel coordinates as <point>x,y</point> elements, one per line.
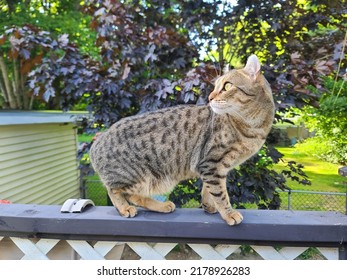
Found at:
<point>233,148</point>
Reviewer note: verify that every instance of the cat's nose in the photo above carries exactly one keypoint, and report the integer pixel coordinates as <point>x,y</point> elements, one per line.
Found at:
<point>211,96</point>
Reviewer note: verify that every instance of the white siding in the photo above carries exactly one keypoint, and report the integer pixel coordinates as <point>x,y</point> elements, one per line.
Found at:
<point>38,163</point>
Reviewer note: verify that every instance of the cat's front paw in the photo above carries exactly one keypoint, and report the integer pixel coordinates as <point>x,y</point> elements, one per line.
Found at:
<point>128,211</point>
<point>168,207</point>
<point>233,218</point>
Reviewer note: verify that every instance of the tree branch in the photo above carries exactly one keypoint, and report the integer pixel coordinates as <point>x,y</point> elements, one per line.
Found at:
<point>17,90</point>
<point>8,88</point>
<point>4,93</point>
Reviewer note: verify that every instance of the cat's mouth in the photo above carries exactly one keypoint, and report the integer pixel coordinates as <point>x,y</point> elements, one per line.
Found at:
<point>220,106</point>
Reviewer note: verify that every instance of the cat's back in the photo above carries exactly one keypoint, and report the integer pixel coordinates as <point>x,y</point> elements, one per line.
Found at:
<point>165,123</point>
<point>166,136</point>
<point>171,119</point>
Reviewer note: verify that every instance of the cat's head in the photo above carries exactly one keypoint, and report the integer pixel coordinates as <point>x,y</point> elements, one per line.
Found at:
<point>240,90</point>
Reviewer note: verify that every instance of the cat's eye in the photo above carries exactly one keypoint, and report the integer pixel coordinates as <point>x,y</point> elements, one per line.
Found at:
<point>227,86</point>
<point>244,91</point>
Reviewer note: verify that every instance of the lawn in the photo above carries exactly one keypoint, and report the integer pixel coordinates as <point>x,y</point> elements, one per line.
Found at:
<point>324,178</point>
<point>323,175</point>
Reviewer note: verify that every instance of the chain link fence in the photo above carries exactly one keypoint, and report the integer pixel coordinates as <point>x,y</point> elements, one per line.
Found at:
<point>313,200</point>
<point>291,200</point>
<point>95,190</point>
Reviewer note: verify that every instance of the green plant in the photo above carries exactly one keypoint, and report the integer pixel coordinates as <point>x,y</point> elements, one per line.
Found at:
<point>323,175</point>
<point>329,121</point>
<point>309,254</point>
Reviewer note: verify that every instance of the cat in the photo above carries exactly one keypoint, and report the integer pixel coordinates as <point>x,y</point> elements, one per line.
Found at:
<point>149,154</point>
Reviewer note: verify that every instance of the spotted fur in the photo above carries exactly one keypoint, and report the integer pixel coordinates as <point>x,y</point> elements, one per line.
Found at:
<point>150,153</point>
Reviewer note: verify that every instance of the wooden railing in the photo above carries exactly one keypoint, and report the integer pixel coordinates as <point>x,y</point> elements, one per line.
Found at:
<point>43,232</point>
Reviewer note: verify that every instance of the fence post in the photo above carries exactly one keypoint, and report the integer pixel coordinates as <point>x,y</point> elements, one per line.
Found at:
<point>343,172</point>
<point>83,187</point>
<point>289,200</point>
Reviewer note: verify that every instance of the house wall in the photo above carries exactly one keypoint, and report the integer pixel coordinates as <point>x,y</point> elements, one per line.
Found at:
<point>38,163</point>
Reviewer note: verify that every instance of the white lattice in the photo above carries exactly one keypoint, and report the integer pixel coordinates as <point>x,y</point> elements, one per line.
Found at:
<point>36,251</point>
<point>207,252</point>
<point>147,252</point>
<point>39,249</point>
<point>329,253</point>
<point>286,253</point>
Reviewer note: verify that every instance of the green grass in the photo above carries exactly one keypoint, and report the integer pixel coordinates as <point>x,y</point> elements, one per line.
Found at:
<point>324,178</point>
<point>85,137</point>
<point>323,175</point>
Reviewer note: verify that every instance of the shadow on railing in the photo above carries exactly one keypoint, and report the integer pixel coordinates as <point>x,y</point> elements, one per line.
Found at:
<point>43,232</point>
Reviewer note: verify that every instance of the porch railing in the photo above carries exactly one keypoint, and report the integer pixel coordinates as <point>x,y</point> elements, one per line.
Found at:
<point>42,232</point>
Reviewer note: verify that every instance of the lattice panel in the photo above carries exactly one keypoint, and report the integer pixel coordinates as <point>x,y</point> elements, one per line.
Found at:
<point>39,249</point>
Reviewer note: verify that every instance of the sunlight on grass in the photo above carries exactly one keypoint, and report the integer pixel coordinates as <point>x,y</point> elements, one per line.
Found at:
<point>85,137</point>
<point>323,175</point>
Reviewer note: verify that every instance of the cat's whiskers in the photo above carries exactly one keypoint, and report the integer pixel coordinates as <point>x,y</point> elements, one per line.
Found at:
<point>226,108</point>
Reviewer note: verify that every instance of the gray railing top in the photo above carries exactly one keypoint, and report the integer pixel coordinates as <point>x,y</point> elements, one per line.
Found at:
<point>183,225</point>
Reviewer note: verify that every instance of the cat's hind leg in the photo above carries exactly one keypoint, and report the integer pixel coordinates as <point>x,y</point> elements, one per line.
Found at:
<point>207,202</point>
<point>151,204</point>
<point>121,204</point>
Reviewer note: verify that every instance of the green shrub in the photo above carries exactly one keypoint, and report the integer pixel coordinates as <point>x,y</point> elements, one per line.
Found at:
<point>329,122</point>
<point>318,148</point>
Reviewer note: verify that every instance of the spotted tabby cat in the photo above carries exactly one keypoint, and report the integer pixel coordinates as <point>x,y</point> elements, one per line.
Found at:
<point>149,154</point>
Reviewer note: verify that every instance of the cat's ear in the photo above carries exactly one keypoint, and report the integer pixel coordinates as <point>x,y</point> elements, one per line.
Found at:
<point>252,67</point>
